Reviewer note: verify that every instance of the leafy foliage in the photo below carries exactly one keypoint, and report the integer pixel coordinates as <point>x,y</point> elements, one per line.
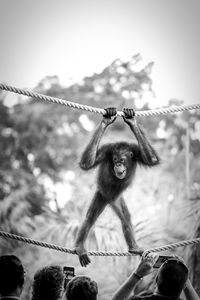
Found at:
<point>40,146</point>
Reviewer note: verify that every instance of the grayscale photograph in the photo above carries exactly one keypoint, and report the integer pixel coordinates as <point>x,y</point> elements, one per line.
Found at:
<point>100,150</point>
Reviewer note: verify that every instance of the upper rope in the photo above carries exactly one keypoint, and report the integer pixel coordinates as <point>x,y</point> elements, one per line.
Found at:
<point>97,253</point>
<point>144,113</point>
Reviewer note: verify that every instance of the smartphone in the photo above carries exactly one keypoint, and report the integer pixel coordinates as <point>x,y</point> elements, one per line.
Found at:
<point>69,272</point>
<point>161,259</point>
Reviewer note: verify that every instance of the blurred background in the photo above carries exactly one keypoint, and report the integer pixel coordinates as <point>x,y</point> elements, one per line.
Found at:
<point>140,54</point>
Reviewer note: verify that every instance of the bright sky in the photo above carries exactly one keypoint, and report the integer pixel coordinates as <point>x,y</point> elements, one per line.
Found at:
<point>76,38</point>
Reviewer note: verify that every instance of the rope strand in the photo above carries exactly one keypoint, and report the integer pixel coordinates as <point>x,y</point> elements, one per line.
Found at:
<point>97,253</point>
<point>144,113</point>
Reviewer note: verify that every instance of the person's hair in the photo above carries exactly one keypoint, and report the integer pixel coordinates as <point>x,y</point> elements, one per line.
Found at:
<point>81,287</point>
<point>48,283</point>
<point>11,274</point>
<point>172,277</point>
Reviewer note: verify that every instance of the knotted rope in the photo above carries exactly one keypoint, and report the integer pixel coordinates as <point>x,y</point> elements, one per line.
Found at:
<point>144,113</point>
<point>97,253</point>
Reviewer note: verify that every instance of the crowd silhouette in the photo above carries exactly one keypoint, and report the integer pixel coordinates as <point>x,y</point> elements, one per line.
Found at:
<point>53,282</point>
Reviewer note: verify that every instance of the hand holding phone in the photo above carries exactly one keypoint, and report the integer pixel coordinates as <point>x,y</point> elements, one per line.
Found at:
<point>161,259</point>
<point>69,274</point>
<point>146,264</point>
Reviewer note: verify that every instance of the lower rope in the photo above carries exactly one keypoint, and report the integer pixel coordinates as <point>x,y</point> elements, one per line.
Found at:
<point>96,253</point>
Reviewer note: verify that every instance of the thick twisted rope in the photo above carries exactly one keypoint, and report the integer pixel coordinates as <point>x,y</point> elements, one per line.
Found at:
<point>62,249</point>
<point>97,253</point>
<point>173,246</point>
<point>144,113</point>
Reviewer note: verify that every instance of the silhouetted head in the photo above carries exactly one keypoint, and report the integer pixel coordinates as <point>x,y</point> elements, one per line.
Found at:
<point>11,275</point>
<point>48,283</point>
<point>81,287</point>
<point>172,277</point>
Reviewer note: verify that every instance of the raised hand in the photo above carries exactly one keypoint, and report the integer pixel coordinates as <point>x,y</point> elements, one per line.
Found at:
<point>110,116</point>
<point>129,116</point>
<point>146,264</point>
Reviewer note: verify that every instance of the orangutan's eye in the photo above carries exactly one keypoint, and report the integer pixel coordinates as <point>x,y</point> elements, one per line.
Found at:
<point>115,158</point>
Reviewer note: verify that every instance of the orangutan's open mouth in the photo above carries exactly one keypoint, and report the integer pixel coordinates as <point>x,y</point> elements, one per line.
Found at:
<point>121,174</point>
